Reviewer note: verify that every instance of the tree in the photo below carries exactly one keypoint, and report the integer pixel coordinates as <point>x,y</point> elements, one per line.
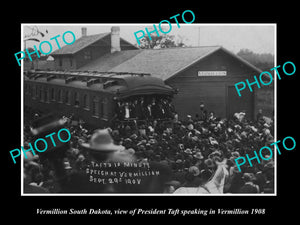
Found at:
<point>264,61</point>
<point>161,41</point>
<point>35,31</point>
<point>33,56</point>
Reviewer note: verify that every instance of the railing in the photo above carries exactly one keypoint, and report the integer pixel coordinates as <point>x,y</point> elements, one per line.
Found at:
<point>137,122</point>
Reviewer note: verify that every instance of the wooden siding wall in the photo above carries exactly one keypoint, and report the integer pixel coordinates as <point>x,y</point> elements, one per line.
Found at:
<point>66,62</point>
<point>213,91</point>
<point>95,51</point>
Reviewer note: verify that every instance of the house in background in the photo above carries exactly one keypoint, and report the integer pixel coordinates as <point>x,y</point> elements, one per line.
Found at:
<point>88,48</point>
<point>43,63</point>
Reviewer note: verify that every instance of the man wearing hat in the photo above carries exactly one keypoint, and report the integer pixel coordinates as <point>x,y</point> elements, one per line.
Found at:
<point>101,146</point>
<point>203,113</point>
<point>192,178</point>
<point>28,173</point>
<point>199,160</point>
<point>249,186</point>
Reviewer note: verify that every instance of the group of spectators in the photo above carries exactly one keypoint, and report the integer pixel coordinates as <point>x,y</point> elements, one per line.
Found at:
<point>142,108</point>
<point>190,147</point>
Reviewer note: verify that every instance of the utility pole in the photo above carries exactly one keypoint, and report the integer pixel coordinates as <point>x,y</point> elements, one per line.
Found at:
<point>199,36</point>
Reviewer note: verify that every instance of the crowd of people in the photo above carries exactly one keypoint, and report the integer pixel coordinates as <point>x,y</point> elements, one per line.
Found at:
<point>142,108</point>
<point>191,148</point>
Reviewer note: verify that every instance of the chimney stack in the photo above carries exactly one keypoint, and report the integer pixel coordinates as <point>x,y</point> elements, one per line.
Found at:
<point>83,31</point>
<point>115,39</point>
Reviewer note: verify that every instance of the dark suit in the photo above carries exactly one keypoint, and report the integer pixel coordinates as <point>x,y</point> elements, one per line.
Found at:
<point>120,112</point>
<point>203,115</point>
<point>155,111</point>
<point>138,111</point>
<point>148,112</point>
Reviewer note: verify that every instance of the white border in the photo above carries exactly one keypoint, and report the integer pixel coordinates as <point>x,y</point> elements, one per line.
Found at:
<point>143,24</point>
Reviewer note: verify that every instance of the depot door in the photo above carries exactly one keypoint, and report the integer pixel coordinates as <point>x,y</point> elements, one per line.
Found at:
<point>236,103</point>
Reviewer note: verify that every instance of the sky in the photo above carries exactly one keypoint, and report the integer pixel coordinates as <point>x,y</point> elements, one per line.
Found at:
<point>259,38</point>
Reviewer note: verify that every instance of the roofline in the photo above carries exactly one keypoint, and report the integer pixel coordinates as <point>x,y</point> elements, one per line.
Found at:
<point>195,61</point>
<point>242,60</point>
<point>213,51</point>
<point>246,62</point>
<point>107,33</point>
<point>137,48</point>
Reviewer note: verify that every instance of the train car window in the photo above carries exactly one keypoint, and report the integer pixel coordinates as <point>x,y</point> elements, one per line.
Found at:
<point>104,108</point>
<point>40,94</point>
<point>46,99</point>
<point>25,88</point>
<point>86,101</point>
<point>59,95</point>
<point>76,99</point>
<point>52,96</point>
<point>68,97</point>
<point>95,106</point>
<point>30,90</point>
<point>36,92</point>
<point>101,108</point>
<point>33,92</point>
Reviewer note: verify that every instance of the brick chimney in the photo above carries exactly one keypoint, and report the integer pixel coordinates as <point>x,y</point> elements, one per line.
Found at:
<point>83,31</point>
<point>115,39</point>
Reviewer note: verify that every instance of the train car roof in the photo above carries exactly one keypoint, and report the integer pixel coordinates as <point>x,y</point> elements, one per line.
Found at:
<point>123,83</point>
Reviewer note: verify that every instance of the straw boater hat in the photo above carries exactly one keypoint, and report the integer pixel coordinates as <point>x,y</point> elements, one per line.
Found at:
<point>102,142</point>
<point>188,151</point>
<point>194,170</point>
<point>235,154</point>
<point>198,155</point>
<point>209,163</point>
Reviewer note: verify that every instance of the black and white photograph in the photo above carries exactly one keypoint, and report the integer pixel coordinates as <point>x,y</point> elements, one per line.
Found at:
<point>149,109</point>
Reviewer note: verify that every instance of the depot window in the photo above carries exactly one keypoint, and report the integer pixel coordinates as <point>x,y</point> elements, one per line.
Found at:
<point>104,109</point>
<point>87,55</point>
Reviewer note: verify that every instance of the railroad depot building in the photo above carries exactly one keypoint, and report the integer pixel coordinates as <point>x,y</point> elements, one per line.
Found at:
<point>200,74</point>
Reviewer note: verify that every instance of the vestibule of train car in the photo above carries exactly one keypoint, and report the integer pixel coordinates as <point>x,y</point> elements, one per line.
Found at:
<point>143,107</point>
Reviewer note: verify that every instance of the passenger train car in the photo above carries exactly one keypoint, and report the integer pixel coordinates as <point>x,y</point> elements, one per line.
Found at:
<point>91,96</point>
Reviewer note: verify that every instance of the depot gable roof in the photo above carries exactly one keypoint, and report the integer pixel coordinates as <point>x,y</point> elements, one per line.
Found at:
<point>162,63</point>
